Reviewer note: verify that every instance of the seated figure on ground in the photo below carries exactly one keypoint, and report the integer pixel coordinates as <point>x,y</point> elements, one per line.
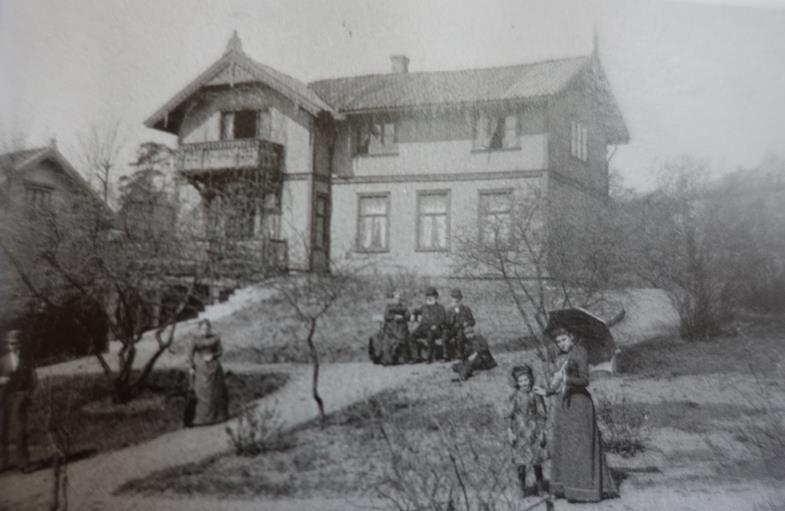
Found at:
<point>478,356</point>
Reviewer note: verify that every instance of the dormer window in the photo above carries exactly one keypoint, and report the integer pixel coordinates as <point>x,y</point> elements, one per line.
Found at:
<point>376,136</point>
<point>244,124</point>
<point>495,131</point>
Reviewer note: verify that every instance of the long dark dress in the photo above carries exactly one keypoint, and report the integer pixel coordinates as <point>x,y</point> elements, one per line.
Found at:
<point>212,399</point>
<point>579,470</point>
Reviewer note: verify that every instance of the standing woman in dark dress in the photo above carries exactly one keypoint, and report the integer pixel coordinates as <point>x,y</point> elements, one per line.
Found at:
<point>579,471</point>
<point>212,400</point>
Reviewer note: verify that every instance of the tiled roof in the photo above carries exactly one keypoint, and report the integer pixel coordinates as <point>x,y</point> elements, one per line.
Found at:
<point>398,90</point>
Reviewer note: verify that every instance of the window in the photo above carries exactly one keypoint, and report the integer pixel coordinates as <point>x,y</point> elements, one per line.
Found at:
<point>244,124</point>
<point>321,224</point>
<point>373,222</point>
<point>374,136</point>
<point>579,141</point>
<point>496,217</point>
<point>38,196</point>
<point>433,220</point>
<point>496,131</point>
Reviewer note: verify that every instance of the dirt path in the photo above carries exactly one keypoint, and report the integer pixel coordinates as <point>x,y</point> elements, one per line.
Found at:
<point>93,480</point>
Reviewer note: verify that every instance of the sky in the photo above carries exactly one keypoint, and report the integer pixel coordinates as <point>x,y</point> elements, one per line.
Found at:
<point>697,78</point>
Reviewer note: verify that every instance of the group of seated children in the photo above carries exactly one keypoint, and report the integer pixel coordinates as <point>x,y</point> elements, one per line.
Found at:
<point>453,326</point>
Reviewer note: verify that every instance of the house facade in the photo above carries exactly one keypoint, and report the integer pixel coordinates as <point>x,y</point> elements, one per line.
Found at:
<point>390,168</point>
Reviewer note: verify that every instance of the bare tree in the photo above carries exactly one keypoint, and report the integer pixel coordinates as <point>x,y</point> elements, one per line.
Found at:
<point>99,149</point>
<point>311,295</point>
<point>79,249</point>
<point>545,257</point>
<point>673,241</point>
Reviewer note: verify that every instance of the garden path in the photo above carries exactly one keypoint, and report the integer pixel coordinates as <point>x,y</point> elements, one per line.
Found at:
<point>93,480</point>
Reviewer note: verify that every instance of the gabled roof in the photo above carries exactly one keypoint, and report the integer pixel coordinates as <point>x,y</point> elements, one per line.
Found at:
<point>16,162</point>
<point>237,64</point>
<point>401,90</point>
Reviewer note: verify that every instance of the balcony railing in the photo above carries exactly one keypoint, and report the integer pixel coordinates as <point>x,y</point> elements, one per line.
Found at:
<point>230,154</point>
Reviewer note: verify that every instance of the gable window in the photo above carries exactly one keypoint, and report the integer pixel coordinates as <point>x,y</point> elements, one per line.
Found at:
<point>496,131</point>
<point>244,124</point>
<point>579,140</point>
<point>321,225</point>
<point>433,220</point>
<point>373,222</point>
<point>376,136</point>
<point>37,196</point>
<point>496,217</point>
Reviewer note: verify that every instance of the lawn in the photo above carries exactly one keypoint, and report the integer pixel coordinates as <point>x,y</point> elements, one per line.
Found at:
<point>727,434</point>
<point>267,332</point>
<point>83,405</point>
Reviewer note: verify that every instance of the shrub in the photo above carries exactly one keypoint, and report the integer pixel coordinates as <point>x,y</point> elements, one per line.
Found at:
<point>257,431</point>
<point>622,424</point>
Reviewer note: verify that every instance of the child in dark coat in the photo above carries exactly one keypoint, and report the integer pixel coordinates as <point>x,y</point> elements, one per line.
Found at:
<point>527,428</point>
<point>432,317</point>
<point>479,356</point>
<point>459,316</point>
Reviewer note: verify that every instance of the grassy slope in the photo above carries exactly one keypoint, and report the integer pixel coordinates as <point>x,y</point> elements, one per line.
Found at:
<point>689,441</point>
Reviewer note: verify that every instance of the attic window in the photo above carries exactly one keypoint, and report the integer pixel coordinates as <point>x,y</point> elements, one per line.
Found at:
<point>244,124</point>
<point>496,131</point>
<point>37,196</point>
<point>376,136</point>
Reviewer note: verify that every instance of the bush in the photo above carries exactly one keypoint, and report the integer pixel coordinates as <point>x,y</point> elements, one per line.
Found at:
<point>257,431</point>
<point>622,424</point>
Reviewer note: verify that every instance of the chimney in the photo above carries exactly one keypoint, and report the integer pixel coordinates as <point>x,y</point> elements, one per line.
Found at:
<point>400,64</point>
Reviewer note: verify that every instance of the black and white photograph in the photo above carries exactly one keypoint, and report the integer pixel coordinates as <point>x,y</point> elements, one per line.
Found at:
<point>512,255</point>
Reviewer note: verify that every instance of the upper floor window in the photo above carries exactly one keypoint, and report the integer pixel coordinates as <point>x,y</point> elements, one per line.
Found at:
<point>433,220</point>
<point>579,140</point>
<point>242,124</point>
<point>373,222</point>
<point>38,196</point>
<point>376,136</point>
<point>496,217</point>
<point>496,131</point>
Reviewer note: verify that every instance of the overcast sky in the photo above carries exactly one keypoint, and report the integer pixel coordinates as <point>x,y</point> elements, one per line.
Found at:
<point>692,78</point>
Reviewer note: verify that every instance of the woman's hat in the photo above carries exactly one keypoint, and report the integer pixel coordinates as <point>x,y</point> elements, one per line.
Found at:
<point>456,293</point>
<point>431,291</point>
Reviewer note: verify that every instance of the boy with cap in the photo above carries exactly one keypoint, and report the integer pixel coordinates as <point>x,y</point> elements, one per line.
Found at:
<point>432,317</point>
<point>478,357</point>
<point>459,316</point>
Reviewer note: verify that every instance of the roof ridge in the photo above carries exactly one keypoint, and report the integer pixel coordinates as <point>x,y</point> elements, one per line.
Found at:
<point>431,72</point>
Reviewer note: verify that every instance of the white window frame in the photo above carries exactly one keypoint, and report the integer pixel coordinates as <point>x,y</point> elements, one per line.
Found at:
<point>360,216</point>
<point>484,215</point>
<point>579,140</point>
<point>496,131</point>
<point>419,218</point>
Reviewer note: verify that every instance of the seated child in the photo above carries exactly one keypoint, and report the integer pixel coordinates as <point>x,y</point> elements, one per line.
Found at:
<point>396,328</point>
<point>432,317</point>
<point>459,316</point>
<point>527,428</point>
<point>478,355</point>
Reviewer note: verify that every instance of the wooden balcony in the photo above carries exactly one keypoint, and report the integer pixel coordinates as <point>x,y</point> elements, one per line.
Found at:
<point>208,158</point>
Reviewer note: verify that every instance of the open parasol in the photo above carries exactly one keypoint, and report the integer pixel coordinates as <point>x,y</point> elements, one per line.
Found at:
<point>591,331</point>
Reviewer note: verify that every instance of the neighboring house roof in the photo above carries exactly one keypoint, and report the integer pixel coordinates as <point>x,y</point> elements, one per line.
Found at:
<point>243,69</point>
<point>16,162</point>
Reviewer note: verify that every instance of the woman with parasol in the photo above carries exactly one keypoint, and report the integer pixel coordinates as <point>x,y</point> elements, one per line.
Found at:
<point>579,471</point>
